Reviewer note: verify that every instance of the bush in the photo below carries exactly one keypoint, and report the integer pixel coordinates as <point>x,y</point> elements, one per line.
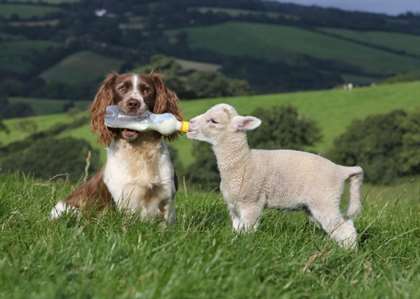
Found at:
<point>192,84</point>
<point>386,146</point>
<point>11,110</point>
<point>50,156</point>
<point>282,127</point>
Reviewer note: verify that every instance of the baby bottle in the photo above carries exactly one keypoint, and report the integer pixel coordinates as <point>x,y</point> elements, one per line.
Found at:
<point>165,123</point>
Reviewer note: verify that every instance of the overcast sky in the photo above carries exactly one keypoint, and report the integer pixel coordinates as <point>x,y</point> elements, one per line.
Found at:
<point>392,7</point>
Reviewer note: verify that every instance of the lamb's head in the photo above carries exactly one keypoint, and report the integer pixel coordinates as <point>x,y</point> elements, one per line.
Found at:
<point>220,122</point>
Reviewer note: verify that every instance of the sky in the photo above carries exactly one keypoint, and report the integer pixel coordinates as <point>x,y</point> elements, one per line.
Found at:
<point>392,7</point>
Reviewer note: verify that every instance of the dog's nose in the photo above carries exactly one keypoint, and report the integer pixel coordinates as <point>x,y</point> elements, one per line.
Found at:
<point>133,104</point>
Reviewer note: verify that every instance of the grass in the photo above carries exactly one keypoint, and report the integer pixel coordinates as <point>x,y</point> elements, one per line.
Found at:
<point>198,66</point>
<point>81,66</point>
<point>397,41</point>
<point>48,106</point>
<point>284,43</point>
<point>26,11</point>
<point>19,56</point>
<point>112,256</point>
<point>333,110</point>
<point>48,1</point>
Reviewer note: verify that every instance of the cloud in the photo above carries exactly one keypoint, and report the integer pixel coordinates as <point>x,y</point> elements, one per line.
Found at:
<point>380,6</point>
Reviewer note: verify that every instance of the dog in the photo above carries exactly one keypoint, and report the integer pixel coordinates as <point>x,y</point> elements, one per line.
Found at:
<point>138,177</point>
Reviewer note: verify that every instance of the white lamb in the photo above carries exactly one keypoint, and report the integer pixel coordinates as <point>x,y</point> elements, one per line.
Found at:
<point>285,179</point>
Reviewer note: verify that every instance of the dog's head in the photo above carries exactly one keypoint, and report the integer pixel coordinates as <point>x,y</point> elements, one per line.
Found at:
<point>219,122</point>
<point>134,94</point>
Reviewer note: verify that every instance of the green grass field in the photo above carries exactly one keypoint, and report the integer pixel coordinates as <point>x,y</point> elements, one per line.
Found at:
<point>333,110</point>
<point>274,43</point>
<point>198,66</point>
<point>26,11</point>
<point>47,1</point>
<point>112,256</point>
<point>19,56</point>
<point>75,68</point>
<point>44,106</point>
<point>396,41</point>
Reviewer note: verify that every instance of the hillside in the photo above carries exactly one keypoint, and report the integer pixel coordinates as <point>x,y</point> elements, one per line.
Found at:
<point>275,47</point>
<point>333,110</point>
<point>81,68</point>
<point>286,43</point>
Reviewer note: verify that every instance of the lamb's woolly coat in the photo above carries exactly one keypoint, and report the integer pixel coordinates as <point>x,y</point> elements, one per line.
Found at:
<point>254,179</point>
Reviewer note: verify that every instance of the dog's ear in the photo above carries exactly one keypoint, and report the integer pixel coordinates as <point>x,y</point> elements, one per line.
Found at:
<point>104,97</point>
<point>166,100</point>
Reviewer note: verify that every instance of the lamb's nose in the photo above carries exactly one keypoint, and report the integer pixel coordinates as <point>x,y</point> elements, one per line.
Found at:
<point>193,122</point>
<point>133,104</point>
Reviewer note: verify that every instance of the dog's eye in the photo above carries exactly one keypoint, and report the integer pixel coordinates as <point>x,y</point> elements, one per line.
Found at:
<point>122,88</point>
<point>145,89</point>
<point>213,121</point>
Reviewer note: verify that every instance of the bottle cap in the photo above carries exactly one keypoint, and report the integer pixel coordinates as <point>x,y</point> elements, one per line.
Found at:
<point>185,127</point>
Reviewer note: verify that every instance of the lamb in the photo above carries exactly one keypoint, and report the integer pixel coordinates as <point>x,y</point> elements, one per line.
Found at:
<point>283,179</point>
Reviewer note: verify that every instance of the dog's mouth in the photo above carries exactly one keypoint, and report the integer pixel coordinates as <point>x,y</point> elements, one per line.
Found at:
<point>129,135</point>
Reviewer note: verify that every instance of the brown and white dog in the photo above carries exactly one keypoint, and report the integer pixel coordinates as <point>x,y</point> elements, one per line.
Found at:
<point>138,177</point>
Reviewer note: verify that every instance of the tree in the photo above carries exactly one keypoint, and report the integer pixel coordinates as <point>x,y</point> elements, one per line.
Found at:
<point>49,157</point>
<point>192,84</point>
<point>385,145</point>
<point>282,127</point>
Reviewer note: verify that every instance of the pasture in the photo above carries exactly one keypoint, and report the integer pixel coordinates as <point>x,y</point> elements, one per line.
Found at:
<point>48,106</point>
<point>396,41</point>
<point>20,56</point>
<point>333,111</point>
<point>75,68</point>
<point>26,11</point>
<point>250,39</point>
<point>112,256</point>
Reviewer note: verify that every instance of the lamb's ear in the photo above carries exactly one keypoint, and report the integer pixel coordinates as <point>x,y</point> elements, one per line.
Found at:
<point>245,123</point>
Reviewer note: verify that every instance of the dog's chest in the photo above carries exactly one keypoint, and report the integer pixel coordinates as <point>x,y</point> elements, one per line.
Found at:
<point>131,172</point>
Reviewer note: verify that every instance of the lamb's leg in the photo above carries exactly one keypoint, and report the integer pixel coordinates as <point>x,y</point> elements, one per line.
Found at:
<point>234,216</point>
<point>249,216</point>
<point>339,229</point>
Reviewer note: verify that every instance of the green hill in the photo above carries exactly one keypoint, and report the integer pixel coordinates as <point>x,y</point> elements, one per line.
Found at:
<point>333,110</point>
<point>396,41</point>
<point>285,43</point>
<point>26,11</point>
<point>81,66</point>
<point>20,56</point>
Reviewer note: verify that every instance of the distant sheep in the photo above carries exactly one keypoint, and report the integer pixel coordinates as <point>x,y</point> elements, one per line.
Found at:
<point>348,86</point>
<point>284,179</point>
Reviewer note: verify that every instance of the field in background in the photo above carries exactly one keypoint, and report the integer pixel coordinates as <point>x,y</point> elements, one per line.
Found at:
<point>397,41</point>
<point>26,11</point>
<point>76,68</point>
<point>17,56</point>
<point>111,256</point>
<point>333,110</point>
<point>48,106</point>
<point>250,39</point>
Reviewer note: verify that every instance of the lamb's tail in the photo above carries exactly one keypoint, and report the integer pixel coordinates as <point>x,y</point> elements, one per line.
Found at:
<point>355,175</point>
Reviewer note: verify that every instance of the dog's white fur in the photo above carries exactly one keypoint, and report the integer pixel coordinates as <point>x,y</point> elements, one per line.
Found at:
<point>254,179</point>
<point>140,179</point>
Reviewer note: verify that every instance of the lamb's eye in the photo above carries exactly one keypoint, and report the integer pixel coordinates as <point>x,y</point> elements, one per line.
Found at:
<point>213,121</point>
